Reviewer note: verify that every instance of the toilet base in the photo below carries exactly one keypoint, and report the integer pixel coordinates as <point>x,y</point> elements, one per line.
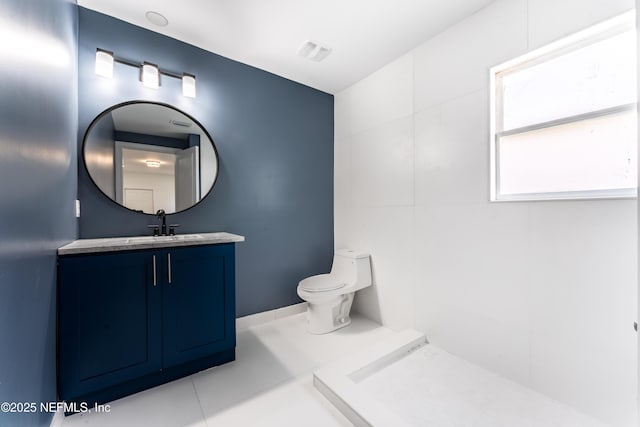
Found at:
<point>330,315</point>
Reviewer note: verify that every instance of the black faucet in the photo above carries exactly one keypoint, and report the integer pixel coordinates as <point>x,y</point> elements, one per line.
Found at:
<point>162,217</point>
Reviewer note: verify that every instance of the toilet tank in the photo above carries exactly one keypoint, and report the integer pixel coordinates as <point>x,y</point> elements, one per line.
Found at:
<point>352,266</point>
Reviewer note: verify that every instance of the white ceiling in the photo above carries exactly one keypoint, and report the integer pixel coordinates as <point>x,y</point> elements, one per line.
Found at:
<point>154,119</point>
<point>364,35</point>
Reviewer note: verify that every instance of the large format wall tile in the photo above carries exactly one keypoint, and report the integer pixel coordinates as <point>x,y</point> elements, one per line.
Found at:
<point>550,20</point>
<point>457,61</point>
<point>452,152</point>
<point>384,96</point>
<point>382,165</point>
<point>386,233</point>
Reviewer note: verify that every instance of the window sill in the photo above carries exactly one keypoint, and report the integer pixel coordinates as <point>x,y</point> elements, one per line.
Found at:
<point>620,194</point>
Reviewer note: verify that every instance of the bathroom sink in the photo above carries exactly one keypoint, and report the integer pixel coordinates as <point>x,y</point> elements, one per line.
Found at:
<point>182,237</point>
<point>160,239</point>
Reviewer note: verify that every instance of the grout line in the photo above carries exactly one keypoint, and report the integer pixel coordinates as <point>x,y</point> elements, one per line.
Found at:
<point>58,419</point>
<point>195,390</point>
<point>413,127</point>
<point>483,89</point>
<point>527,20</point>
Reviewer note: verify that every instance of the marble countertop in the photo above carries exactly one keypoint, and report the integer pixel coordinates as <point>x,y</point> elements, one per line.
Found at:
<point>112,244</point>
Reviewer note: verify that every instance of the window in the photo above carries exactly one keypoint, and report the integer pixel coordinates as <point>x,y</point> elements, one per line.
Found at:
<point>563,118</point>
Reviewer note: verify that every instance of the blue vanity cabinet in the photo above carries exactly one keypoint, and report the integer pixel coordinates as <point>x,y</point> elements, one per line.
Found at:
<point>199,310</point>
<point>131,320</point>
<point>109,321</point>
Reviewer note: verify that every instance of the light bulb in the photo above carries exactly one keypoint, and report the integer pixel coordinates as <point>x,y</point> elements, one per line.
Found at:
<point>189,85</point>
<point>150,75</point>
<point>104,63</point>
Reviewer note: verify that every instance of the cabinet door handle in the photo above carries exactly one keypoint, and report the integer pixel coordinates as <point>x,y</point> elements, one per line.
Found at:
<point>169,262</point>
<point>154,271</point>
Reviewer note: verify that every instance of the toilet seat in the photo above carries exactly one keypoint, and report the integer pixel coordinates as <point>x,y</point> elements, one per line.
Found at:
<point>321,283</point>
<point>329,296</point>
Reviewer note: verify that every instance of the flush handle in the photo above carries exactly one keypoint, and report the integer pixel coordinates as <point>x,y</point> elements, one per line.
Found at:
<point>155,281</point>
<point>169,263</point>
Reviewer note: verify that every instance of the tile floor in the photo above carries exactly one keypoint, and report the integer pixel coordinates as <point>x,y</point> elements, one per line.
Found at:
<point>269,384</point>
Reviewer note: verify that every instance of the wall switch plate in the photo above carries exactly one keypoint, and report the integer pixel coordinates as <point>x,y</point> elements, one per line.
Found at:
<point>77,208</point>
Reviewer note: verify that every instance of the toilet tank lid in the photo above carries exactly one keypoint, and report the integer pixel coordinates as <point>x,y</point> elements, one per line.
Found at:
<point>352,253</point>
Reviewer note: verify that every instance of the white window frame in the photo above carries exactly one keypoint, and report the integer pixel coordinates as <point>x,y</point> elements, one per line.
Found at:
<point>568,44</point>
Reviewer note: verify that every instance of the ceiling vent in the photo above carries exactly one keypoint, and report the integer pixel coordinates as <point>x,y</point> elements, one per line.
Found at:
<point>314,51</point>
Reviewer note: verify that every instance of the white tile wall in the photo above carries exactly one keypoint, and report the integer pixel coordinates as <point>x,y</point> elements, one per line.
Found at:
<point>637,3</point>
<point>386,233</point>
<point>550,20</point>
<point>541,292</point>
<point>382,165</point>
<point>342,189</point>
<point>451,154</point>
<point>476,258</point>
<point>583,305</point>
<point>455,62</point>
<point>385,95</point>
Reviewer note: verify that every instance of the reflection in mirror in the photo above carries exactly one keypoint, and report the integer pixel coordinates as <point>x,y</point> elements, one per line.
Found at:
<point>148,156</point>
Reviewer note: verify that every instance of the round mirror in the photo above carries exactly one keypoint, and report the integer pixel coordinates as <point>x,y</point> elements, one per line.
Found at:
<point>148,156</point>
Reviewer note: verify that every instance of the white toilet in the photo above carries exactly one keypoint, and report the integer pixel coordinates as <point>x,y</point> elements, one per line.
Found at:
<point>330,295</point>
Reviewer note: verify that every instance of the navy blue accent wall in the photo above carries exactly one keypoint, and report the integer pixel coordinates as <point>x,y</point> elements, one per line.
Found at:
<point>275,142</point>
<point>38,128</point>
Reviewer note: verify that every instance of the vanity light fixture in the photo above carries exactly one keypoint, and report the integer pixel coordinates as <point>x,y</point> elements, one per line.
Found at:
<point>149,73</point>
<point>189,85</point>
<point>104,63</point>
<point>152,163</point>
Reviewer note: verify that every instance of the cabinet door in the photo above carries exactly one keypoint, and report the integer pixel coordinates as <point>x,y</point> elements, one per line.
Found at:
<point>199,302</point>
<point>109,320</point>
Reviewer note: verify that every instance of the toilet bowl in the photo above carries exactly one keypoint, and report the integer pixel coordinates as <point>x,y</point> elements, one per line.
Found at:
<point>330,296</point>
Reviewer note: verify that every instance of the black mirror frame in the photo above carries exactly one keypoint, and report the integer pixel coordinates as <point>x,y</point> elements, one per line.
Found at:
<point>122,104</point>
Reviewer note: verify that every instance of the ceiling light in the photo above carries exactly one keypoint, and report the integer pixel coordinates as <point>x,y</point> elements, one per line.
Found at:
<point>189,85</point>
<point>150,75</point>
<point>157,18</point>
<point>104,63</point>
<point>180,123</point>
<point>153,163</point>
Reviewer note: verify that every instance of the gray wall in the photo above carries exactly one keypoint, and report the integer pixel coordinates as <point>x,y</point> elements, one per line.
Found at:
<point>275,142</point>
<point>38,126</point>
